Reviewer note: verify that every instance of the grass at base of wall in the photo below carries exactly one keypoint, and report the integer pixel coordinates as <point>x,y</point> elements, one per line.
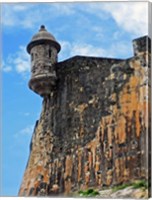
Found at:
<point>121,187</point>
<point>135,185</point>
<point>139,184</point>
<point>88,193</point>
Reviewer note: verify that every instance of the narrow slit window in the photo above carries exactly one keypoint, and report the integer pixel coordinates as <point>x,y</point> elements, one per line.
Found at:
<point>49,53</point>
<point>32,57</point>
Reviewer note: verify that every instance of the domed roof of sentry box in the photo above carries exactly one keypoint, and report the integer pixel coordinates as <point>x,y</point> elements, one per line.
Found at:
<point>43,37</point>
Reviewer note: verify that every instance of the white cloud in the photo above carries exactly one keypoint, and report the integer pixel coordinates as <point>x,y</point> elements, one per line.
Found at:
<point>98,32</point>
<point>20,61</point>
<point>94,8</point>
<point>28,15</point>
<point>120,49</point>
<point>26,114</point>
<point>65,50</point>
<point>116,49</point>
<point>27,131</point>
<point>5,68</point>
<point>117,35</point>
<point>133,17</point>
<point>86,50</point>
<point>63,8</point>
<point>16,15</point>
<point>130,16</point>
<point>20,7</point>
<point>72,49</point>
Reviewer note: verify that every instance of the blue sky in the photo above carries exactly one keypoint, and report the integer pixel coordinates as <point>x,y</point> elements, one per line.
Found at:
<point>92,29</point>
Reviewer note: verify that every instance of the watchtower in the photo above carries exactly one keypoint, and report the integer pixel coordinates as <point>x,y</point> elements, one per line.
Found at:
<point>43,49</point>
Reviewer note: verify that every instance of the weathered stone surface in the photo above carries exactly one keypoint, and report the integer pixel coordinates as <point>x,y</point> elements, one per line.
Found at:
<point>94,127</point>
<point>129,192</point>
<point>43,49</point>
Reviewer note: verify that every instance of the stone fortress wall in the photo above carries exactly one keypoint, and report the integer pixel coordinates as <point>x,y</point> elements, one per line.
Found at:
<point>94,126</point>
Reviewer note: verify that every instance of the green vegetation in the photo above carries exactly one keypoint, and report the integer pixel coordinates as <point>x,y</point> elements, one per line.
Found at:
<point>140,184</point>
<point>121,187</point>
<point>88,193</point>
<point>135,185</point>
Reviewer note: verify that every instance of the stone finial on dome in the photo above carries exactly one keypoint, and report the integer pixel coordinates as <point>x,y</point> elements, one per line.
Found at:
<point>42,27</point>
